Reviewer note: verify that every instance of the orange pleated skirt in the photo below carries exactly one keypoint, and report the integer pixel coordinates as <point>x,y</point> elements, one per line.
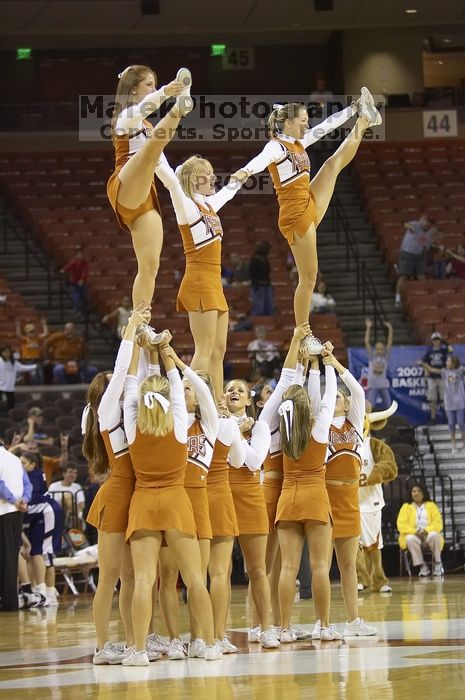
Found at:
<point>304,499</point>
<point>160,509</point>
<point>296,216</point>
<point>109,511</point>
<point>345,509</point>
<point>272,491</point>
<point>199,500</point>
<point>222,512</point>
<point>126,217</point>
<point>201,289</point>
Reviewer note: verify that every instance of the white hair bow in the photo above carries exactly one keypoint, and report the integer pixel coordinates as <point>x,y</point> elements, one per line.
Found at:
<point>277,105</point>
<point>177,170</point>
<point>287,411</point>
<point>151,396</point>
<point>85,413</point>
<point>120,75</point>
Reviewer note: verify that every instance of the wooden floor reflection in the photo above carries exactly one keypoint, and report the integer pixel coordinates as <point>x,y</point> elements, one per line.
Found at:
<point>419,652</point>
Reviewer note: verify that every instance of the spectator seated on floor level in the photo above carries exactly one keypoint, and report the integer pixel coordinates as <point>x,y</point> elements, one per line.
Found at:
<point>420,524</point>
<point>67,492</point>
<point>32,346</point>
<point>66,349</point>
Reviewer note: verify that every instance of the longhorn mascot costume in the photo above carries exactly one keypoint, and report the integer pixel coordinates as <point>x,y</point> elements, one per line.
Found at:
<point>378,467</point>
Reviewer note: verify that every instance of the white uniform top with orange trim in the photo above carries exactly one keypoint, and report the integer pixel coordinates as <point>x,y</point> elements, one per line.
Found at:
<point>371,498</point>
<point>198,220</point>
<point>132,129</point>
<point>288,168</point>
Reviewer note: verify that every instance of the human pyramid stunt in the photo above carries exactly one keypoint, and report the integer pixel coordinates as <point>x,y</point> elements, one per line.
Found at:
<point>181,454</point>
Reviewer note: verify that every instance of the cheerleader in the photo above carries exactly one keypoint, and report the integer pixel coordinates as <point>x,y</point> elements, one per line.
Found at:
<point>201,437</point>
<point>201,291</point>
<point>131,188</point>
<point>106,449</point>
<point>229,452</point>
<point>303,510</point>
<point>342,483</point>
<point>268,401</point>
<point>302,206</point>
<point>250,506</point>
<point>156,424</point>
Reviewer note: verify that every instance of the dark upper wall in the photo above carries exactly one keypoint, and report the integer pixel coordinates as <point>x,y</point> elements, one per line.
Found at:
<point>56,76</point>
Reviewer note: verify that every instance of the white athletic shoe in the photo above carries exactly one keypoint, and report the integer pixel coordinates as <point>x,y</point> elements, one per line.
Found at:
<point>253,634</point>
<point>225,646</point>
<point>385,589</point>
<point>367,108</point>
<point>196,649</point>
<point>287,636</point>
<point>316,630</point>
<point>51,596</point>
<point>210,652</point>
<point>185,104</point>
<point>424,571</point>
<point>20,601</point>
<point>135,658</point>
<point>33,600</point>
<point>438,569</point>
<point>300,633</point>
<point>269,640</point>
<point>359,628</point>
<point>360,587</point>
<point>110,654</point>
<point>156,644</point>
<point>184,76</point>
<point>176,650</point>
<point>330,634</point>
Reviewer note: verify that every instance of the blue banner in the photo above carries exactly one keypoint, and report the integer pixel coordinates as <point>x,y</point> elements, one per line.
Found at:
<point>409,385</point>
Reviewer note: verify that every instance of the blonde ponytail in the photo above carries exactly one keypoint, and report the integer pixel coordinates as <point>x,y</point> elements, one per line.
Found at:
<point>188,171</point>
<point>302,423</point>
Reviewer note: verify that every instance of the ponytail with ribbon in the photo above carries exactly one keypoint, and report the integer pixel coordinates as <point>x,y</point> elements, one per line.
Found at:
<point>286,410</point>
<point>150,397</point>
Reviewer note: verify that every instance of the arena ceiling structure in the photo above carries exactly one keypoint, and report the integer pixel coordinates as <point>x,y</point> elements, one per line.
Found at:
<point>81,24</point>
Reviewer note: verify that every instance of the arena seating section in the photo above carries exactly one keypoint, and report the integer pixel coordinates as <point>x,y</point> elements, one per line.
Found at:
<point>399,181</point>
<point>61,198</point>
<point>14,307</point>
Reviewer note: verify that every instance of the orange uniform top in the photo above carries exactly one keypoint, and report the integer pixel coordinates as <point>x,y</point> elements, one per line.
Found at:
<point>202,239</point>
<point>219,469</point>
<point>199,455</point>
<point>291,174</point>
<point>158,461</point>
<point>344,462</point>
<point>273,462</point>
<point>311,462</point>
<point>120,461</point>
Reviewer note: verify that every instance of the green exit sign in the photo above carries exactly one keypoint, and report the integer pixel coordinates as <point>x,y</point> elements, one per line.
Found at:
<point>217,49</point>
<point>23,54</point>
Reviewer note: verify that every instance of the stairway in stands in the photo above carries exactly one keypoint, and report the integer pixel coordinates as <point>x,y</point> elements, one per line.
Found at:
<point>435,446</point>
<point>342,284</point>
<point>32,285</point>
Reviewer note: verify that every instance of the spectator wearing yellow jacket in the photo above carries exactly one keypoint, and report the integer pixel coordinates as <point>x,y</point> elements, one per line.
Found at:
<point>420,523</point>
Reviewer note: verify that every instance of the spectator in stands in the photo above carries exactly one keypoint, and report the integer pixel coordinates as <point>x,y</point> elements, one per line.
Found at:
<point>378,357</point>
<point>15,492</point>
<point>67,349</point>
<point>439,256</point>
<point>322,302</point>
<point>259,275</point>
<point>435,357</point>
<point>237,272</point>
<point>3,298</point>
<point>9,370</point>
<point>264,354</point>
<point>49,465</point>
<point>420,524</point>
<point>70,495</point>
<point>416,242</point>
<point>456,265</point>
<point>33,428</point>
<point>32,346</point>
<point>120,315</point>
<point>78,271</point>
<point>239,322</point>
<point>453,390</point>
